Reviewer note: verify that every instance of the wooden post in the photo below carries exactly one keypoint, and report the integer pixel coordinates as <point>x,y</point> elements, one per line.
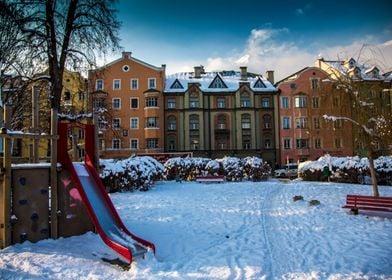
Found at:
<point>35,123</point>
<point>5,194</point>
<point>53,174</point>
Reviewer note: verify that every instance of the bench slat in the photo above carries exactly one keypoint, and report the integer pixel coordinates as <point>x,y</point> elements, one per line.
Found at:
<point>362,202</point>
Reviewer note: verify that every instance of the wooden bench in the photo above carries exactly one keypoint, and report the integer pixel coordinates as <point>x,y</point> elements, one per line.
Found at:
<point>210,179</point>
<point>369,203</point>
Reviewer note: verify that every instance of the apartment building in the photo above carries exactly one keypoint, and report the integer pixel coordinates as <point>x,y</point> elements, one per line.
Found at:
<point>128,95</point>
<point>225,113</point>
<point>304,97</point>
<point>373,98</point>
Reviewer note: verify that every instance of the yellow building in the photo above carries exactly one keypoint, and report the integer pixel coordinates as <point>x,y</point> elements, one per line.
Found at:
<point>74,102</point>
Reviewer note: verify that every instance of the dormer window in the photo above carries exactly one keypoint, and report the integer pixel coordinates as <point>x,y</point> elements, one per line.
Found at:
<point>350,63</point>
<point>217,83</point>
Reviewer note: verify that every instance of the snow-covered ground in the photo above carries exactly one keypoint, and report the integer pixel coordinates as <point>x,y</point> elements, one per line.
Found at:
<point>225,231</point>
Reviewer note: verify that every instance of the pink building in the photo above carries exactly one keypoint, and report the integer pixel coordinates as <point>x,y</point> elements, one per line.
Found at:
<point>303,132</point>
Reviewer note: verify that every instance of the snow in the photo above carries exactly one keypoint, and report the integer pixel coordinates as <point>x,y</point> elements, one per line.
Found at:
<point>232,80</point>
<point>242,230</point>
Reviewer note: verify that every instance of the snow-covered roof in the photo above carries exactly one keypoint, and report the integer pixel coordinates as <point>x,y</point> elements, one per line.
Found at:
<point>223,81</point>
<point>348,66</point>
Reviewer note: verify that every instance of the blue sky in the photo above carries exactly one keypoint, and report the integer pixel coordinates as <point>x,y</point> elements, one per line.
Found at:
<point>284,36</point>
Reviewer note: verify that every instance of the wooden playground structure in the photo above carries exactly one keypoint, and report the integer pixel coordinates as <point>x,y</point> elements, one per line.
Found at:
<point>38,200</point>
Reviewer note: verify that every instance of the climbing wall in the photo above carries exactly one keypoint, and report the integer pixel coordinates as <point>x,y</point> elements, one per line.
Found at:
<point>73,218</point>
<point>30,203</point>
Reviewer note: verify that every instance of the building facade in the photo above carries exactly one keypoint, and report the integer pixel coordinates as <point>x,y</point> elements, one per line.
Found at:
<point>128,95</point>
<point>216,114</point>
<point>371,99</point>
<point>304,133</point>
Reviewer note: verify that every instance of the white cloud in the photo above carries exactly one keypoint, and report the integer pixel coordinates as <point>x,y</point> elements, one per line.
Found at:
<point>263,51</point>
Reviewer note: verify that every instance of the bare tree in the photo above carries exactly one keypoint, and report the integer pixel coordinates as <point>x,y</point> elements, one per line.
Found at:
<point>65,34</point>
<point>368,108</point>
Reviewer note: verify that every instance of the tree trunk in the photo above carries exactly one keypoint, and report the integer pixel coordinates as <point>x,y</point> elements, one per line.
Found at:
<point>373,173</point>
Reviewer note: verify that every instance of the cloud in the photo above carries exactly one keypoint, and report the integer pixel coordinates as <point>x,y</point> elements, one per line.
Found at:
<point>268,49</point>
<point>265,50</point>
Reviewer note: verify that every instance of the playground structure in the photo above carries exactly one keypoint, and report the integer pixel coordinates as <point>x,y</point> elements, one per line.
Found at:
<point>61,198</point>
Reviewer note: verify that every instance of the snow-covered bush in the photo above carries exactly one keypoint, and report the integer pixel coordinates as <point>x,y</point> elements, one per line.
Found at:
<point>346,169</point>
<point>134,173</point>
<point>234,169</point>
<point>256,169</point>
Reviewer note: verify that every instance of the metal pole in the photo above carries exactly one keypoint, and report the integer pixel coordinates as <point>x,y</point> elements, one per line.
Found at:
<point>53,173</point>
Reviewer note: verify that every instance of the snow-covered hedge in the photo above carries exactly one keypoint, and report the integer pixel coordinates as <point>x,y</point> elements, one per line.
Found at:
<point>347,169</point>
<point>134,173</point>
<point>234,169</point>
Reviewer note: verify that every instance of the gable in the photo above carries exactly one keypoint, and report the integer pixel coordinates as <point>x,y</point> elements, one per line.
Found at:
<point>259,84</point>
<point>217,83</point>
<point>176,85</point>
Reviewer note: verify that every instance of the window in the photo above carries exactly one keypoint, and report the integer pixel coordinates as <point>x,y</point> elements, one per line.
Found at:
<point>265,102</point>
<point>317,143</point>
<point>151,102</point>
<point>338,124</point>
<point>152,83</point>
<point>267,119</point>
<point>81,95</point>
<point>245,121</point>
<point>221,102</point>
<point>99,103</point>
<point>134,84</point>
<point>316,102</point>
<point>267,144</point>
<point>152,122</point>
<point>134,103</point>
<point>286,143</point>
<point>116,103</point>
<point>134,144</point>
<point>171,123</point>
<point>194,143</point>
<point>285,102</point>
<point>125,68</point>
<point>338,143</point>
<point>171,103</point>
<point>302,143</point>
<point>336,101</point>
<point>315,83</point>
<point>125,132</point>
<point>116,84</point>
<point>221,122</point>
<point>286,123</point>
<point>217,83</point>
<point>134,123</point>
<point>116,144</point>
<point>301,122</point>
<point>80,133</point>
<point>102,124</point>
<point>194,122</point>
<point>67,96</point>
<point>316,123</point>
<point>194,100</point>
<point>300,101</point>
<point>172,144</point>
<point>152,143</point>
<point>245,100</point>
<point>116,123</point>
<point>99,85</point>
<point>246,142</point>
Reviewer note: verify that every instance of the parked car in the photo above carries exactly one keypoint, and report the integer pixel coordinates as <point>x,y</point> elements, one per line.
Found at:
<point>288,171</point>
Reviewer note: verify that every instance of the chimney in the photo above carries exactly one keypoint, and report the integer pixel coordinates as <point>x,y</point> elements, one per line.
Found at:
<point>126,54</point>
<point>270,76</point>
<point>244,73</point>
<point>198,70</point>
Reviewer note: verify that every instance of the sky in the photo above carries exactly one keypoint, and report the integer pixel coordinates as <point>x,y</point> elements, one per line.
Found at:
<point>283,36</point>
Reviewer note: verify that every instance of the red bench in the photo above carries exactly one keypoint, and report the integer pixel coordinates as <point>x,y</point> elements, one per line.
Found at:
<point>210,179</point>
<point>370,203</point>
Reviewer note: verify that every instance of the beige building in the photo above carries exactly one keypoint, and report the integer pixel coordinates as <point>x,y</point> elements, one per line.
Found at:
<point>226,113</point>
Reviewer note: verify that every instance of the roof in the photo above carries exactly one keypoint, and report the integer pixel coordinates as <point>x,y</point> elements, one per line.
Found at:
<point>222,81</point>
<point>366,73</point>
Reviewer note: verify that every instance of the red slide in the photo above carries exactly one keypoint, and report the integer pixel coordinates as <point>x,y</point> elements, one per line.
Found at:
<point>102,212</point>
